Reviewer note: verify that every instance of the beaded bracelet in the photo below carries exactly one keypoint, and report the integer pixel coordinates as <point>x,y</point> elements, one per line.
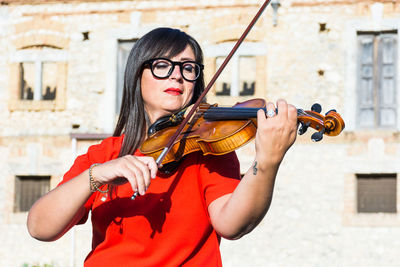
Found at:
<point>93,184</point>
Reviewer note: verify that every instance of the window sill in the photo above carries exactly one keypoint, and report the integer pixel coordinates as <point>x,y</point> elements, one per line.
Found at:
<point>371,219</point>
<point>35,105</point>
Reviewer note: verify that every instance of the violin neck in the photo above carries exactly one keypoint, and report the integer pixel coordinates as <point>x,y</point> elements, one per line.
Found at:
<point>228,113</point>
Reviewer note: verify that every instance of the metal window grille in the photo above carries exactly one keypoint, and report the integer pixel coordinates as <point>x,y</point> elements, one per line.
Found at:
<point>376,193</point>
<point>28,189</point>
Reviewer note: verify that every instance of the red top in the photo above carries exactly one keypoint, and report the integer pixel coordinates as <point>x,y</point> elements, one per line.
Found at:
<point>170,224</point>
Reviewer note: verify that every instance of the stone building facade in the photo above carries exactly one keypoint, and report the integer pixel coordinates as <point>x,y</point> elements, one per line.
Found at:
<point>336,202</point>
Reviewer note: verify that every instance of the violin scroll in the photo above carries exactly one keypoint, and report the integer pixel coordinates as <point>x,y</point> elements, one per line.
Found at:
<point>331,124</point>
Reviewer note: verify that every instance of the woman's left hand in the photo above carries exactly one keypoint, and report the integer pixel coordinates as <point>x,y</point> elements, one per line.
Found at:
<point>275,132</point>
<point>234,215</point>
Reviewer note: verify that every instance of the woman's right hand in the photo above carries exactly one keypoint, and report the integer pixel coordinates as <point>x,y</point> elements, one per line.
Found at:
<point>138,171</point>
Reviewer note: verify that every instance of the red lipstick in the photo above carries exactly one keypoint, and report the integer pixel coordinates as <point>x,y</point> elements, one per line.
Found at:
<point>173,91</point>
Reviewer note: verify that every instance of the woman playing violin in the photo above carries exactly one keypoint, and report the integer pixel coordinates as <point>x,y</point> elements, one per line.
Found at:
<point>177,218</point>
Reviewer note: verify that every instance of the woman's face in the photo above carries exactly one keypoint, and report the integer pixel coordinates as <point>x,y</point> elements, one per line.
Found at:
<point>165,96</point>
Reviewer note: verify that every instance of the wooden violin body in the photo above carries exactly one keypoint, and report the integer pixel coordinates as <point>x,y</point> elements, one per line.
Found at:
<point>220,130</point>
<point>210,136</point>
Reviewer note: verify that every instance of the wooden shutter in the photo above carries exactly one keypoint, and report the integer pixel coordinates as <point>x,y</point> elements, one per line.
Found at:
<point>377,63</point>
<point>387,80</point>
<point>366,97</point>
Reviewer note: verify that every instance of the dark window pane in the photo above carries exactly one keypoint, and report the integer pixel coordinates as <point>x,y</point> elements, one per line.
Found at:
<point>28,189</point>
<point>27,78</point>
<point>247,74</point>
<point>49,80</point>
<point>124,48</point>
<point>223,83</point>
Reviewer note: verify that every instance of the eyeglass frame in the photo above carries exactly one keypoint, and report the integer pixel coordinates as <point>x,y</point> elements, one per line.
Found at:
<point>149,63</point>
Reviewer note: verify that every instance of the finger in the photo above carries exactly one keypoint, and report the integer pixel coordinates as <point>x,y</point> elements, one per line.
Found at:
<point>282,107</point>
<point>134,175</point>
<point>139,172</point>
<point>132,180</point>
<point>145,171</point>
<point>151,164</point>
<point>292,113</point>
<point>261,117</point>
<point>139,176</point>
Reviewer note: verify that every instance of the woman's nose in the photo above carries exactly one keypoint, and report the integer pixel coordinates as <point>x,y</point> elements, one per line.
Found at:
<point>176,72</point>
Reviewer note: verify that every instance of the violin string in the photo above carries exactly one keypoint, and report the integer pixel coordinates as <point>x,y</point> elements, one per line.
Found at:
<point>300,112</point>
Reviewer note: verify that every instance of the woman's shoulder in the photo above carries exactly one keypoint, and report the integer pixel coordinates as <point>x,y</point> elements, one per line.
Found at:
<point>107,149</point>
<point>104,151</point>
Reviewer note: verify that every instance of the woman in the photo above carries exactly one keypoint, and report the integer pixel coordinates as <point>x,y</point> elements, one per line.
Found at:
<point>178,218</point>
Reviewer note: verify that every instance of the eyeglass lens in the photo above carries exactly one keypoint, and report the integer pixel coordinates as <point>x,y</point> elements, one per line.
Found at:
<point>163,68</point>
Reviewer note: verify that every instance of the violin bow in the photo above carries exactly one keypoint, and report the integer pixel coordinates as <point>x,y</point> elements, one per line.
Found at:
<point>211,83</point>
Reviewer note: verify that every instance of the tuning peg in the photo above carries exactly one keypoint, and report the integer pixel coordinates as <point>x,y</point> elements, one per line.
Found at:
<point>316,108</point>
<point>334,110</point>
<point>303,127</point>
<point>318,135</point>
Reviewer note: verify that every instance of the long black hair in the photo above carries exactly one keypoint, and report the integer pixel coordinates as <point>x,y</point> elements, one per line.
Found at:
<point>160,42</point>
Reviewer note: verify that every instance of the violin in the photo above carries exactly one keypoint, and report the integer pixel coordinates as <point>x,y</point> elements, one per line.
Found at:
<point>219,130</point>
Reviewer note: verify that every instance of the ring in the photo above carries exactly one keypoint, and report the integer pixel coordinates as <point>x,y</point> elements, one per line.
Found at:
<point>270,113</point>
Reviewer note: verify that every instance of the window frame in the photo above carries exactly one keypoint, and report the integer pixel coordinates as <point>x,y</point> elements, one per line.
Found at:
<point>377,77</point>
<point>366,196</point>
<point>350,215</point>
<point>121,66</point>
<point>38,56</point>
<point>19,190</point>
<point>247,49</point>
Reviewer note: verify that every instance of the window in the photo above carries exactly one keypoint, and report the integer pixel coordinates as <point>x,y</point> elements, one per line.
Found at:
<point>238,77</point>
<point>244,75</point>
<point>28,189</point>
<point>376,193</point>
<point>38,78</point>
<point>124,48</point>
<point>377,79</point>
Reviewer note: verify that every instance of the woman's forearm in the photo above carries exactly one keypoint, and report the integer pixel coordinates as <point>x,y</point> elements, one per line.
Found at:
<point>57,211</point>
<point>238,213</point>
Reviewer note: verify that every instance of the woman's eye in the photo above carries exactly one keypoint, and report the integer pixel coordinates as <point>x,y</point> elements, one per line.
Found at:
<point>161,65</point>
<point>188,68</point>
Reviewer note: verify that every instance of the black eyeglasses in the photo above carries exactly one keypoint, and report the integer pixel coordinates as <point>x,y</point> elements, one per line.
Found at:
<point>163,68</point>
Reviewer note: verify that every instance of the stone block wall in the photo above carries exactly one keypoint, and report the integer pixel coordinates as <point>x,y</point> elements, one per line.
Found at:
<point>309,56</point>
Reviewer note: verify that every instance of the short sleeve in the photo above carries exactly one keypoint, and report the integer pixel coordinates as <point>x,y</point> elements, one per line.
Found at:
<point>219,175</point>
<point>107,150</point>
